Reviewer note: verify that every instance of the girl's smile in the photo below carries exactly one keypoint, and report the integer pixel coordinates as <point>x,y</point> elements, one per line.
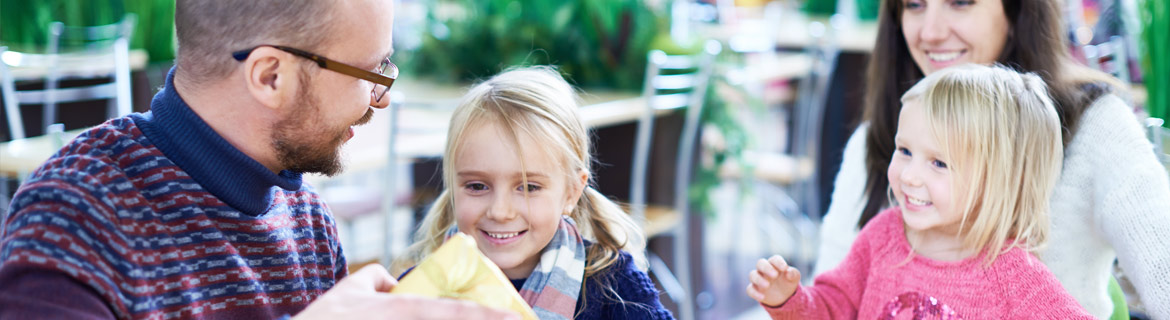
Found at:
<point>500,239</point>
<point>916,204</point>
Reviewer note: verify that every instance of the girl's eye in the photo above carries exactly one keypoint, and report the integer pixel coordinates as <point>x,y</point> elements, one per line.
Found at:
<point>529,188</point>
<point>911,5</point>
<point>903,151</point>
<point>939,164</point>
<point>962,3</point>
<point>475,186</point>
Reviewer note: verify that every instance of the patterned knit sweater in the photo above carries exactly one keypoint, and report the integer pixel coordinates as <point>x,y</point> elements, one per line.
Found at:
<point>880,279</point>
<point>1112,201</point>
<point>156,216</point>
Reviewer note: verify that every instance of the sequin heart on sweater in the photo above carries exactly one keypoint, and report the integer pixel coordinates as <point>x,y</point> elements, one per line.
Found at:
<point>924,306</point>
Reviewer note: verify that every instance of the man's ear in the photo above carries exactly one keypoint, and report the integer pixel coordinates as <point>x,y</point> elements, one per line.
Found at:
<point>271,77</point>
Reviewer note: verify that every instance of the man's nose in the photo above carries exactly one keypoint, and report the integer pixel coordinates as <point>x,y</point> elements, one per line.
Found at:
<point>379,103</point>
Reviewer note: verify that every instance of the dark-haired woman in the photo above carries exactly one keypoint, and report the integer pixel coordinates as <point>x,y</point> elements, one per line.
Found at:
<point>1113,198</point>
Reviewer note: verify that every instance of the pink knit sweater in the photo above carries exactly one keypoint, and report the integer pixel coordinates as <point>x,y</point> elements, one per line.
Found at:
<point>877,281</point>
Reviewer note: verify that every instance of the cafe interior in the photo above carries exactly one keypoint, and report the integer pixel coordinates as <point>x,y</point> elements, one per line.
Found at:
<point>719,125</point>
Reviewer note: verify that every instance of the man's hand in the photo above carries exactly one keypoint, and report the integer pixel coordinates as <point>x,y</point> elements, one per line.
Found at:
<point>773,281</point>
<point>365,294</point>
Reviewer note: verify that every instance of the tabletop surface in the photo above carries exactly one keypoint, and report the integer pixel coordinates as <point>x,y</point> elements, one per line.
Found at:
<point>422,121</point>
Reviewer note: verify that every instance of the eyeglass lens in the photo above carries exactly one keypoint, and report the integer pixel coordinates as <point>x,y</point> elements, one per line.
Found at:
<point>388,69</point>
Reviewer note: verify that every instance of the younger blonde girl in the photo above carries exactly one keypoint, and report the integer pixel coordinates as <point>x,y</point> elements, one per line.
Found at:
<point>516,168</point>
<point>978,151</point>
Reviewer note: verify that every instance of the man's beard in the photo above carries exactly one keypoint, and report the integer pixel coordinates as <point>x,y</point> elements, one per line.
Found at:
<point>300,148</point>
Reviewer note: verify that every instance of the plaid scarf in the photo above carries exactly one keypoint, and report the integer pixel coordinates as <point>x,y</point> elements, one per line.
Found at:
<point>554,286</point>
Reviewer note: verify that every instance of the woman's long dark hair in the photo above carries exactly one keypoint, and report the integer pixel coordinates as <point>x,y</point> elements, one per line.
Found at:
<point>1036,42</point>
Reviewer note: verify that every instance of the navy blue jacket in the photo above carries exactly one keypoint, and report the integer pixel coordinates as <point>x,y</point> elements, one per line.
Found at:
<point>630,284</point>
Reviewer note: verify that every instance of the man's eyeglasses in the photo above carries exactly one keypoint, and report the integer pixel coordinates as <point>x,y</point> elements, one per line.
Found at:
<point>382,79</point>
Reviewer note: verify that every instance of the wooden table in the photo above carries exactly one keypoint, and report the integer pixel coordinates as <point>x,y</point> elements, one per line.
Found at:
<point>21,156</point>
<point>422,129</point>
<point>34,66</point>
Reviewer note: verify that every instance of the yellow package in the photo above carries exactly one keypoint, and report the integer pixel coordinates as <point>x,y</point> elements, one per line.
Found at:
<point>459,271</point>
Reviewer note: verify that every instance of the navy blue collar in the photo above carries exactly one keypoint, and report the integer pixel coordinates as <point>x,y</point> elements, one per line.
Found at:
<point>220,168</point>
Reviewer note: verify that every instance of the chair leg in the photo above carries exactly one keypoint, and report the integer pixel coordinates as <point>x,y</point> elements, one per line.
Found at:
<point>4,199</point>
<point>350,242</point>
<point>391,180</point>
<point>669,282</point>
<point>52,77</point>
<point>121,79</point>
<point>11,108</point>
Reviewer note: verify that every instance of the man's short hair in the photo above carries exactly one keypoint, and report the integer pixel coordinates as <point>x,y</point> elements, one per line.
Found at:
<point>210,30</point>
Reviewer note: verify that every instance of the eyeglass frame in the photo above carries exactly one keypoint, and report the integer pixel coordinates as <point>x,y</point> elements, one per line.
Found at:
<point>378,78</point>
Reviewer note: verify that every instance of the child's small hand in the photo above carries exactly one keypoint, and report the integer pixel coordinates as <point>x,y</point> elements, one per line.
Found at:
<point>773,281</point>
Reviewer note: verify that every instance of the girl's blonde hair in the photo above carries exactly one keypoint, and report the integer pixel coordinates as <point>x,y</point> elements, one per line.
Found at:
<point>537,103</point>
<point>1001,134</point>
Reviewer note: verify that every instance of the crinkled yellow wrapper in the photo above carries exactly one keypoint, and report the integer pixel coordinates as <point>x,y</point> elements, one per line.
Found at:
<point>459,271</point>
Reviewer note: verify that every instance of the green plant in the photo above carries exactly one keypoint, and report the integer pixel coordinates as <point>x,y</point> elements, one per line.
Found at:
<point>820,7</point>
<point>155,31</point>
<point>597,43</point>
<point>723,101</point>
<point>866,9</point>
<point>24,24</point>
<point>1156,57</point>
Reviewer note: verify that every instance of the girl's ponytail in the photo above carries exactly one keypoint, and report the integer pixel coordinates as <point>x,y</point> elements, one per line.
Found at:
<point>614,230</point>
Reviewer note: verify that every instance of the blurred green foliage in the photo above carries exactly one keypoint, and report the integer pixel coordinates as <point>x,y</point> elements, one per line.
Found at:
<point>723,101</point>
<point>24,24</point>
<point>866,9</point>
<point>596,43</point>
<point>1155,43</point>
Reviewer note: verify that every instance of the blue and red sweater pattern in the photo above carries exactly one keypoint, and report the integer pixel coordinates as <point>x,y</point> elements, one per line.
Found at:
<point>156,216</point>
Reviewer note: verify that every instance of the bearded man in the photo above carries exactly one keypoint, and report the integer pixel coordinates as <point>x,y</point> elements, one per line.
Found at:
<point>197,209</point>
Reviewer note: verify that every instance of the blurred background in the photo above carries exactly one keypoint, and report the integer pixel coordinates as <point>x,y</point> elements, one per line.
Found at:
<point>719,122</point>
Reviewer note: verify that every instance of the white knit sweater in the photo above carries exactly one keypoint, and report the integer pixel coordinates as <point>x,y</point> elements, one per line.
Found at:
<point>1112,201</point>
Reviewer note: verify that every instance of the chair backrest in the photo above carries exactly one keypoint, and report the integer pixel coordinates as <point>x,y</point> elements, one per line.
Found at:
<point>72,53</point>
<point>672,82</point>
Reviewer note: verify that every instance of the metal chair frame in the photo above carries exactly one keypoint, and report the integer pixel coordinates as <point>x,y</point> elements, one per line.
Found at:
<point>677,284</point>
<point>94,43</point>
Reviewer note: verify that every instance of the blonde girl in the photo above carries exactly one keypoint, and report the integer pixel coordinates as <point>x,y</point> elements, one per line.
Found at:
<point>517,167</point>
<point>978,151</point>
